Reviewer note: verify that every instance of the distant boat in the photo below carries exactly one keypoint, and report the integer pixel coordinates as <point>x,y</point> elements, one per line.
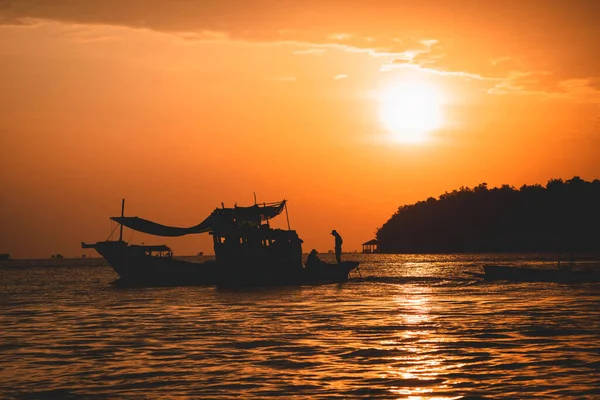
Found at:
<point>247,252</point>
<point>528,274</point>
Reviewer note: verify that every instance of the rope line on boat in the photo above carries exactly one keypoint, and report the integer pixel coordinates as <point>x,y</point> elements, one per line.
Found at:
<point>113,231</point>
<point>131,236</point>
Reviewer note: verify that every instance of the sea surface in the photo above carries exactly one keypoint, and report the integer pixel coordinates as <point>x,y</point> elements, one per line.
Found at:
<point>413,327</point>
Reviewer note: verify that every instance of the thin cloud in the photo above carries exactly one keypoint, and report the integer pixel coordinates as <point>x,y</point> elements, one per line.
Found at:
<point>563,37</point>
<point>430,42</point>
<point>340,76</point>
<point>543,84</point>
<point>462,74</point>
<point>311,51</point>
<point>25,22</point>
<point>584,90</point>
<point>406,56</point>
<point>203,36</point>
<point>340,36</point>
<point>496,61</point>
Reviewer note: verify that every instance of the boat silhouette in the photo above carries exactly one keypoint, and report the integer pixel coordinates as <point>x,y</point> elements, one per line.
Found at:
<point>529,274</point>
<point>247,252</point>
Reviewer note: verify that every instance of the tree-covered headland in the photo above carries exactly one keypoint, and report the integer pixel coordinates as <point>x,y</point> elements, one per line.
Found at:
<point>563,216</point>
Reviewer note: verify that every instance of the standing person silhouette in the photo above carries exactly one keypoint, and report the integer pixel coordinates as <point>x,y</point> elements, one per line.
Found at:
<point>338,246</point>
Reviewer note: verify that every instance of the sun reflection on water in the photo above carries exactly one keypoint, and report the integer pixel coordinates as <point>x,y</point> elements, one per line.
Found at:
<point>418,366</point>
<point>396,336</point>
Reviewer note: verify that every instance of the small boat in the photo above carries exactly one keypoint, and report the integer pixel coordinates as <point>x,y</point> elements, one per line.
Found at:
<point>247,250</point>
<point>330,272</point>
<point>529,274</point>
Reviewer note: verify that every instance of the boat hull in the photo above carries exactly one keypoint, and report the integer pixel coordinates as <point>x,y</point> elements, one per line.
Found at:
<point>328,272</point>
<point>137,268</point>
<point>526,274</point>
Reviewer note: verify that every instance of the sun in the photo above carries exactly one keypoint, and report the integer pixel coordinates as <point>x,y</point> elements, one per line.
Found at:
<point>410,111</point>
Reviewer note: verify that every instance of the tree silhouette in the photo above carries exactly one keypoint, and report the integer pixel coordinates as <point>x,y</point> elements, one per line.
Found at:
<point>563,216</point>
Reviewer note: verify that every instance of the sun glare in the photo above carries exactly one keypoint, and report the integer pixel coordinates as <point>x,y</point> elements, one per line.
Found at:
<point>410,111</point>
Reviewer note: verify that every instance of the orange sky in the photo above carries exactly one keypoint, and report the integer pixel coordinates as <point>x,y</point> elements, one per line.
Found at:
<point>179,105</point>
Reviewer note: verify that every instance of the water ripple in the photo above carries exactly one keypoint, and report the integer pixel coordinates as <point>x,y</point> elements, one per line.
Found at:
<point>407,330</point>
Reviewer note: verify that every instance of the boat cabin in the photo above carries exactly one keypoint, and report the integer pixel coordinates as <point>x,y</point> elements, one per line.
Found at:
<point>161,250</point>
<point>259,243</point>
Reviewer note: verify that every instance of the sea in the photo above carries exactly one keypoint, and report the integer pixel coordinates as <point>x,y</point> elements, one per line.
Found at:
<point>403,327</point>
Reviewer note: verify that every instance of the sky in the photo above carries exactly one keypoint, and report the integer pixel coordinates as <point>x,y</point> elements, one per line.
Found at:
<point>347,109</point>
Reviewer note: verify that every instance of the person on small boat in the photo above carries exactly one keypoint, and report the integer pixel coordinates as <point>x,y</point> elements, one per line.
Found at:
<point>338,246</point>
<point>313,261</point>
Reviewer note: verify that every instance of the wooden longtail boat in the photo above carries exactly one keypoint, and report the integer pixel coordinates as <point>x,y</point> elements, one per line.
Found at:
<point>247,252</point>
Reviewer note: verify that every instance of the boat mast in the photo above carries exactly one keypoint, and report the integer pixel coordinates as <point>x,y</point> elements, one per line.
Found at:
<point>122,215</point>
<point>286,214</point>
<point>267,218</point>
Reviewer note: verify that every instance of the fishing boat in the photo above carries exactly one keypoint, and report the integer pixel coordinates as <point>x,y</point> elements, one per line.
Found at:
<point>247,252</point>
<point>529,274</point>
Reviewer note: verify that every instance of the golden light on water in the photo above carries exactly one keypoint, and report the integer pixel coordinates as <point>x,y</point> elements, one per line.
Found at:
<point>411,110</point>
<point>420,348</point>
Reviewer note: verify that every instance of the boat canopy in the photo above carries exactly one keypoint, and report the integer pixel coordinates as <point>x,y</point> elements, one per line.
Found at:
<point>219,218</point>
